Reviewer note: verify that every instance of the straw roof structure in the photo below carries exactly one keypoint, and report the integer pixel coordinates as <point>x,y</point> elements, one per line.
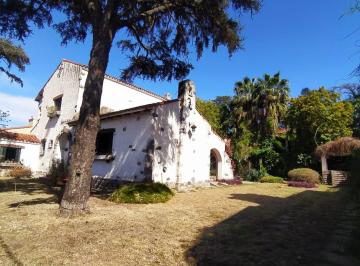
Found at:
<point>340,147</point>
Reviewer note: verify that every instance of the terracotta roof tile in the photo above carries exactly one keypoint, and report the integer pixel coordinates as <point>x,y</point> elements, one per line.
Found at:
<point>18,136</point>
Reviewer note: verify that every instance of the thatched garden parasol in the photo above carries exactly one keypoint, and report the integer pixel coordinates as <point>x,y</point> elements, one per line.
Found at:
<point>340,147</point>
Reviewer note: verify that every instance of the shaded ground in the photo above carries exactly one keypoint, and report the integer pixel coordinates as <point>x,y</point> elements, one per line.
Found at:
<point>252,224</point>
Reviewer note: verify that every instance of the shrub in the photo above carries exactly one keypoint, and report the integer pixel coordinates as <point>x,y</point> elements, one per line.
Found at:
<point>304,175</point>
<point>20,171</point>
<point>271,179</point>
<point>301,184</point>
<point>255,175</point>
<point>142,193</point>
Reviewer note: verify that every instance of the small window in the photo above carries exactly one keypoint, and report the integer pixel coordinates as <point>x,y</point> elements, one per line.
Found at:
<point>50,145</point>
<point>57,103</point>
<point>104,141</point>
<point>42,147</point>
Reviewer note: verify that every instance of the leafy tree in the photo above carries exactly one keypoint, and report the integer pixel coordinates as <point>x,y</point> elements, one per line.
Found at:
<point>11,54</point>
<point>155,35</point>
<point>266,155</point>
<point>318,117</point>
<point>262,102</point>
<point>352,94</point>
<point>212,113</point>
<point>226,122</point>
<point>218,113</point>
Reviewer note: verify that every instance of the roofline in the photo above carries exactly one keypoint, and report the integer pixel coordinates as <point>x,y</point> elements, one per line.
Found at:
<point>107,76</point>
<point>19,127</point>
<point>130,111</point>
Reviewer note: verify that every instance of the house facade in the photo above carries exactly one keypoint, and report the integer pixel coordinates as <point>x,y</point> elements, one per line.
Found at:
<point>143,136</point>
<point>60,100</point>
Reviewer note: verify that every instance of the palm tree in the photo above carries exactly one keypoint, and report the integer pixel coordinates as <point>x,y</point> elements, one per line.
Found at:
<point>261,103</point>
<point>271,98</point>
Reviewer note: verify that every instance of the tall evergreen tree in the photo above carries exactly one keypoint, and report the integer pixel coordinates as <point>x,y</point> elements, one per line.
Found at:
<point>10,55</point>
<point>156,36</point>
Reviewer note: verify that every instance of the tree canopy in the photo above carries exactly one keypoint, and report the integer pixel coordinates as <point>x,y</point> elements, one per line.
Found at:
<point>10,55</point>
<point>211,112</point>
<point>262,102</point>
<point>351,91</point>
<point>156,36</point>
<point>318,117</point>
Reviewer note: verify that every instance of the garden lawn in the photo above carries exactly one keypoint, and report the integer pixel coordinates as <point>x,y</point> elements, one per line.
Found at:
<point>250,224</point>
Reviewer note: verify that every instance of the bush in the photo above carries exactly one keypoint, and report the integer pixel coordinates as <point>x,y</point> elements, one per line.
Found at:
<point>304,175</point>
<point>271,179</point>
<point>255,175</point>
<point>142,193</point>
<point>301,184</point>
<point>20,171</point>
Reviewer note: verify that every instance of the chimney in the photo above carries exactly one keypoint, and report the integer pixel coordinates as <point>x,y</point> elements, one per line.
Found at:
<point>31,120</point>
<point>167,96</point>
<point>187,94</point>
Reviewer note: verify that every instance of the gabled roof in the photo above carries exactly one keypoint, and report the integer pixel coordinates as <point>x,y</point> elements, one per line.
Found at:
<point>129,111</point>
<point>119,81</point>
<point>18,136</point>
<point>19,127</point>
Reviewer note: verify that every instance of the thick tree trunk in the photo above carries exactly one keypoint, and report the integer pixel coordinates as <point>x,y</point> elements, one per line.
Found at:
<point>77,190</point>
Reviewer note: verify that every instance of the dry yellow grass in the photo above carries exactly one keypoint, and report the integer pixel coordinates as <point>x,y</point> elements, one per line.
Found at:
<point>172,233</point>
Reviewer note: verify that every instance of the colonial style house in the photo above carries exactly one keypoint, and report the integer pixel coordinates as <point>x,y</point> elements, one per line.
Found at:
<point>142,136</point>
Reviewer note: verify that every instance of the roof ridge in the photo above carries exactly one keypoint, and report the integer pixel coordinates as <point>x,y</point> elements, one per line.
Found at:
<point>120,81</point>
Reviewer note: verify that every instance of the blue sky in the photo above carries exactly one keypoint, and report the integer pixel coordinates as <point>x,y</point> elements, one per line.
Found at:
<point>311,42</point>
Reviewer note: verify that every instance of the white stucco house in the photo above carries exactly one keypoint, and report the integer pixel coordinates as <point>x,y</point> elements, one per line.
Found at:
<point>143,136</point>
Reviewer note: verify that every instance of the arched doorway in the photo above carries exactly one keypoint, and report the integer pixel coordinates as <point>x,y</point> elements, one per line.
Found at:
<point>215,165</point>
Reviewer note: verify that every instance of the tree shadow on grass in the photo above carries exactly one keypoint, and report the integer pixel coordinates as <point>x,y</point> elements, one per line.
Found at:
<point>53,199</point>
<point>9,253</point>
<point>28,186</point>
<point>278,231</point>
<point>31,186</point>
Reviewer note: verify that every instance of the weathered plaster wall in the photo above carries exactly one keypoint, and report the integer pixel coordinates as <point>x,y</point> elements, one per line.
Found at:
<point>131,138</point>
<point>161,124</point>
<point>166,135</point>
<point>28,154</point>
<point>69,80</point>
<point>65,82</point>
<point>118,96</point>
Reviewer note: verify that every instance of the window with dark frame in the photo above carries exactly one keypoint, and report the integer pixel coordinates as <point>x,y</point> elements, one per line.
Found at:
<point>104,141</point>
<point>58,102</point>
<point>10,154</point>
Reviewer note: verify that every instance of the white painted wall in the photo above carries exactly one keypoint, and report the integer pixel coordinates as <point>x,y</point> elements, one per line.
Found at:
<point>64,81</point>
<point>28,155</point>
<point>117,95</point>
<point>135,130</point>
<point>69,80</point>
<point>194,165</point>
<point>166,134</point>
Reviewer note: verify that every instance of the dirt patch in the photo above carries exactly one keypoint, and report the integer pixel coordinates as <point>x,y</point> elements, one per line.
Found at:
<point>178,232</point>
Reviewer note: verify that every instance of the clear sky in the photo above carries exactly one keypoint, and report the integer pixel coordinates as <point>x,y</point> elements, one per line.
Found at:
<point>311,42</point>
